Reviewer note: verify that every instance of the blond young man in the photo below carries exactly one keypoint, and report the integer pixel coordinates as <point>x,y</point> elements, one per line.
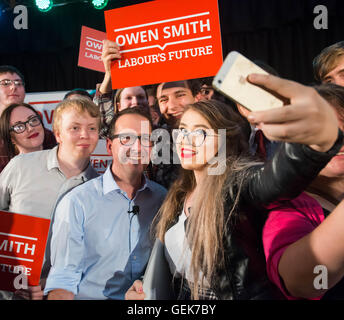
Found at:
<point>328,66</point>
<point>34,183</point>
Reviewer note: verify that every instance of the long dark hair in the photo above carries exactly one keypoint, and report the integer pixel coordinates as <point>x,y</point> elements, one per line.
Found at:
<point>5,133</point>
<point>334,95</point>
<point>206,227</point>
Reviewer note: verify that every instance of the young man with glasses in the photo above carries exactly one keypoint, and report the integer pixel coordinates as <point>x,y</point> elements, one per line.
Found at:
<point>101,234</point>
<point>12,87</point>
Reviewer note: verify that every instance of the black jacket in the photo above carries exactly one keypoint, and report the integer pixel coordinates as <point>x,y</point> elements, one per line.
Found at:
<point>285,176</point>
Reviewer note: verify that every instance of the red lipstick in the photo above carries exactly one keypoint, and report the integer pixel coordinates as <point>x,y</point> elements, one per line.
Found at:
<point>33,135</point>
<point>187,153</point>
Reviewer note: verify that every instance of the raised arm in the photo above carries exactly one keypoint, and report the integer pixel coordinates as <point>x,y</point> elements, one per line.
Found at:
<point>110,53</point>
<point>324,246</point>
<point>307,119</point>
<point>308,125</point>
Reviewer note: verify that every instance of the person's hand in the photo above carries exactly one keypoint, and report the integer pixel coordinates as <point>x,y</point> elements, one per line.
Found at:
<point>110,52</point>
<point>32,293</point>
<point>307,119</point>
<point>135,292</point>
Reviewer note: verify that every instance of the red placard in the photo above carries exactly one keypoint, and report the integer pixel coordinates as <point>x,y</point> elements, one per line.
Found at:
<point>22,245</point>
<point>90,50</point>
<point>164,41</point>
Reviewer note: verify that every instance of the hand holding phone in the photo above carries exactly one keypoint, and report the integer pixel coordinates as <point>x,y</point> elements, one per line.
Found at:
<point>231,80</point>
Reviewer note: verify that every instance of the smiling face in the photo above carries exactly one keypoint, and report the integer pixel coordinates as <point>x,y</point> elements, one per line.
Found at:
<point>77,133</point>
<point>172,99</point>
<point>130,155</point>
<point>32,138</point>
<point>11,93</point>
<point>132,97</point>
<point>199,143</point>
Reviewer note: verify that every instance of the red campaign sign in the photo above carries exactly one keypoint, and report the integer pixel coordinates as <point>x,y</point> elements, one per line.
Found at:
<point>172,40</point>
<point>90,51</point>
<point>22,245</point>
<point>100,159</point>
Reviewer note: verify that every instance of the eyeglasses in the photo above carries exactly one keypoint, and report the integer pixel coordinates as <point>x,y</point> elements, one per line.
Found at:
<point>20,127</point>
<point>127,139</point>
<point>195,138</point>
<point>7,83</point>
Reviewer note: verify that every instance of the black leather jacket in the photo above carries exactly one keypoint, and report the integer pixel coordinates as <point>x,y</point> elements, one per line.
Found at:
<point>243,275</point>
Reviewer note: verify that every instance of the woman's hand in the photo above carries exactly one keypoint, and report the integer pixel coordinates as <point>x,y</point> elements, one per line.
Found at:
<point>308,119</point>
<point>135,292</point>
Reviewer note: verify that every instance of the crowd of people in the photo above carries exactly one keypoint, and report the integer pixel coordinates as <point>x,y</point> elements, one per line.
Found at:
<point>246,204</point>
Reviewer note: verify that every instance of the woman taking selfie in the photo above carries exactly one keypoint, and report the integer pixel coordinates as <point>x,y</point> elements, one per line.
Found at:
<point>211,224</point>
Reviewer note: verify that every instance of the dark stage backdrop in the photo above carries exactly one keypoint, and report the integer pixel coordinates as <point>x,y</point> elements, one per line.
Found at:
<point>279,32</point>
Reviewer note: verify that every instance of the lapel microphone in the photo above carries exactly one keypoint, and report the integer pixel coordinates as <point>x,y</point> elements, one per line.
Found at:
<point>135,210</point>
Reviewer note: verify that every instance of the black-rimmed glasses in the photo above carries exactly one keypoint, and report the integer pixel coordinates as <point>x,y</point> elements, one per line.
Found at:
<point>20,127</point>
<point>128,139</point>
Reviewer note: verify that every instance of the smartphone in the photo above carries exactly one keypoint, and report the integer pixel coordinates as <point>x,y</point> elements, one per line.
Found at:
<point>231,81</point>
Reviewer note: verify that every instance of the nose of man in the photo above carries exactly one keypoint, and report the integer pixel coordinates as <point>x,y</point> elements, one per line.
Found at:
<point>172,105</point>
<point>136,145</point>
<point>163,108</point>
<point>13,87</point>
<point>84,134</point>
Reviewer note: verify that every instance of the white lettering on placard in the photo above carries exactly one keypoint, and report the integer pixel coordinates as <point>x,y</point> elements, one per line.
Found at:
<point>93,56</point>
<point>15,269</point>
<point>137,37</point>
<point>168,56</point>
<point>174,31</point>
<point>194,27</point>
<point>94,44</point>
<point>93,49</point>
<point>16,247</point>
